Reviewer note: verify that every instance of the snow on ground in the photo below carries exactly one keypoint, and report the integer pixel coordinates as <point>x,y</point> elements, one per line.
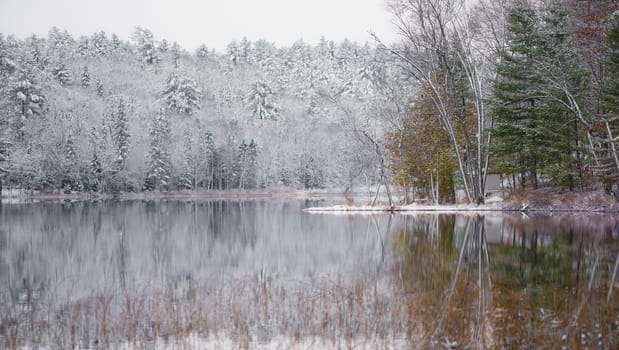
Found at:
<point>406,208</point>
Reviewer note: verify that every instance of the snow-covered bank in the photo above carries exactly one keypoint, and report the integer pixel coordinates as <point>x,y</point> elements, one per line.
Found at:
<point>529,202</point>
<point>406,208</point>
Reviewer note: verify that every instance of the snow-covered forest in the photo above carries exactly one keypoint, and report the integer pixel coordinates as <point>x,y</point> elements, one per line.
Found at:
<point>525,89</point>
<point>101,114</point>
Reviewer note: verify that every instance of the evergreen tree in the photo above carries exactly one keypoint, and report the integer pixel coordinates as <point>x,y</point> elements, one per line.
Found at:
<point>28,100</point>
<point>181,94</point>
<point>115,42</point>
<point>7,66</point>
<point>159,164</point>
<point>145,43</point>
<point>202,52</point>
<point>164,46</point>
<point>241,164</point>
<point>187,178</point>
<point>37,59</point>
<point>234,52</point>
<point>120,134</point>
<point>94,181</point>
<point>61,74</point>
<point>176,53</point>
<point>252,165</point>
<point>68,181</point>
<point>532,130</point>
<point>60,41</point>
<point>100,45</point>
<point>310,173</point>
<point>99,88</point>
<point>262,101</point>
<point>205,160</point>
<point>83,46</point>
<point>85,77</point>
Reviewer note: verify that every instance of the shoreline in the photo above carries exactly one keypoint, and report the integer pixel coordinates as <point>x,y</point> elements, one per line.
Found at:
<point>171,195</point>
<point>560,203</point>
<point>453,209</point>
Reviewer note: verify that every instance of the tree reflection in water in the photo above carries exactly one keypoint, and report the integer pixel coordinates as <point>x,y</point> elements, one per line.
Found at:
<point>540,282</point>
<point>107,273</point>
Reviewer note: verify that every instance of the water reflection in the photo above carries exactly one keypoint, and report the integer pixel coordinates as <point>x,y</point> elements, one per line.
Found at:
<point>259,269</point>
<point>511,281</point>
<point>76,249</point>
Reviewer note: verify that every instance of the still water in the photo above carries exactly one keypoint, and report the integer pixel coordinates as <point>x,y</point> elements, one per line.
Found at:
<point>100,274</point>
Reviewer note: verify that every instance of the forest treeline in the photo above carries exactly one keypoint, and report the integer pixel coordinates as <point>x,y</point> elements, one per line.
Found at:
<point>525,89</point>
<point>99,114</point>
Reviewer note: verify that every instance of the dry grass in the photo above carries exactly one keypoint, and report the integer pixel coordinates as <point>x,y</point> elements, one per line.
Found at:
<point>248,311</point>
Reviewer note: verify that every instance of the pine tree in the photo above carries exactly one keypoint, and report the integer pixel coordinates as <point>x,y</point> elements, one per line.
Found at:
<point>145,43</point>
<point>176,53</point>
<point>85,77</point>
<point>240,166</point>
<point>68,182</point>
<point>121,134</point>
<point>7,66</point>
<point>100,44</point>
<point>309,173</point>
<point>252,164</point>
<point>187,178</point>
<point>234,53</point>
<point>159,164</point>
<point>262,101</point>
<point>202,52</point>
<point>164,46</point>
<point>205,160</point>
<point>94,181</point>
<point>99,88</point>
<point>181,94</point>
<point>27,99</point>
<point>83,46</point>
<point>61,74</point>
<point>531,128</point>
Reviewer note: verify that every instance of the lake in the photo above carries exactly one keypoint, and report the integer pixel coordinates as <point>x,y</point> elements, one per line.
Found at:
<point>266,274</point>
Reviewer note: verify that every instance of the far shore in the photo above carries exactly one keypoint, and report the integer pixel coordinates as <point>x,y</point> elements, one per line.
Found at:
<point>531,201</point>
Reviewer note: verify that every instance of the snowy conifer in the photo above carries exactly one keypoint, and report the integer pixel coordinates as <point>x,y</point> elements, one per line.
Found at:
<point>164,46</point>
<point>61,74</point>
<point>204,161</point>
<point>181,94</point>
<point>94,176</point>
<point>176,53</point>
<point>202,52</point>
<point>187,176</point>
<point>85,77</point>
<point>145,43</point>
<point>159,165</point>
<point>234,52</point>
<point>83,46</point>
<point>262,101</point>
<point>99,88</point>
<point>120,134</point>
<point>26,94</point>
<point>100,46</point>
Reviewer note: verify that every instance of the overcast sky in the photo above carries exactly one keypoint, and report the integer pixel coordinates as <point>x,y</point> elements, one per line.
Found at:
<point>193,22</point>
